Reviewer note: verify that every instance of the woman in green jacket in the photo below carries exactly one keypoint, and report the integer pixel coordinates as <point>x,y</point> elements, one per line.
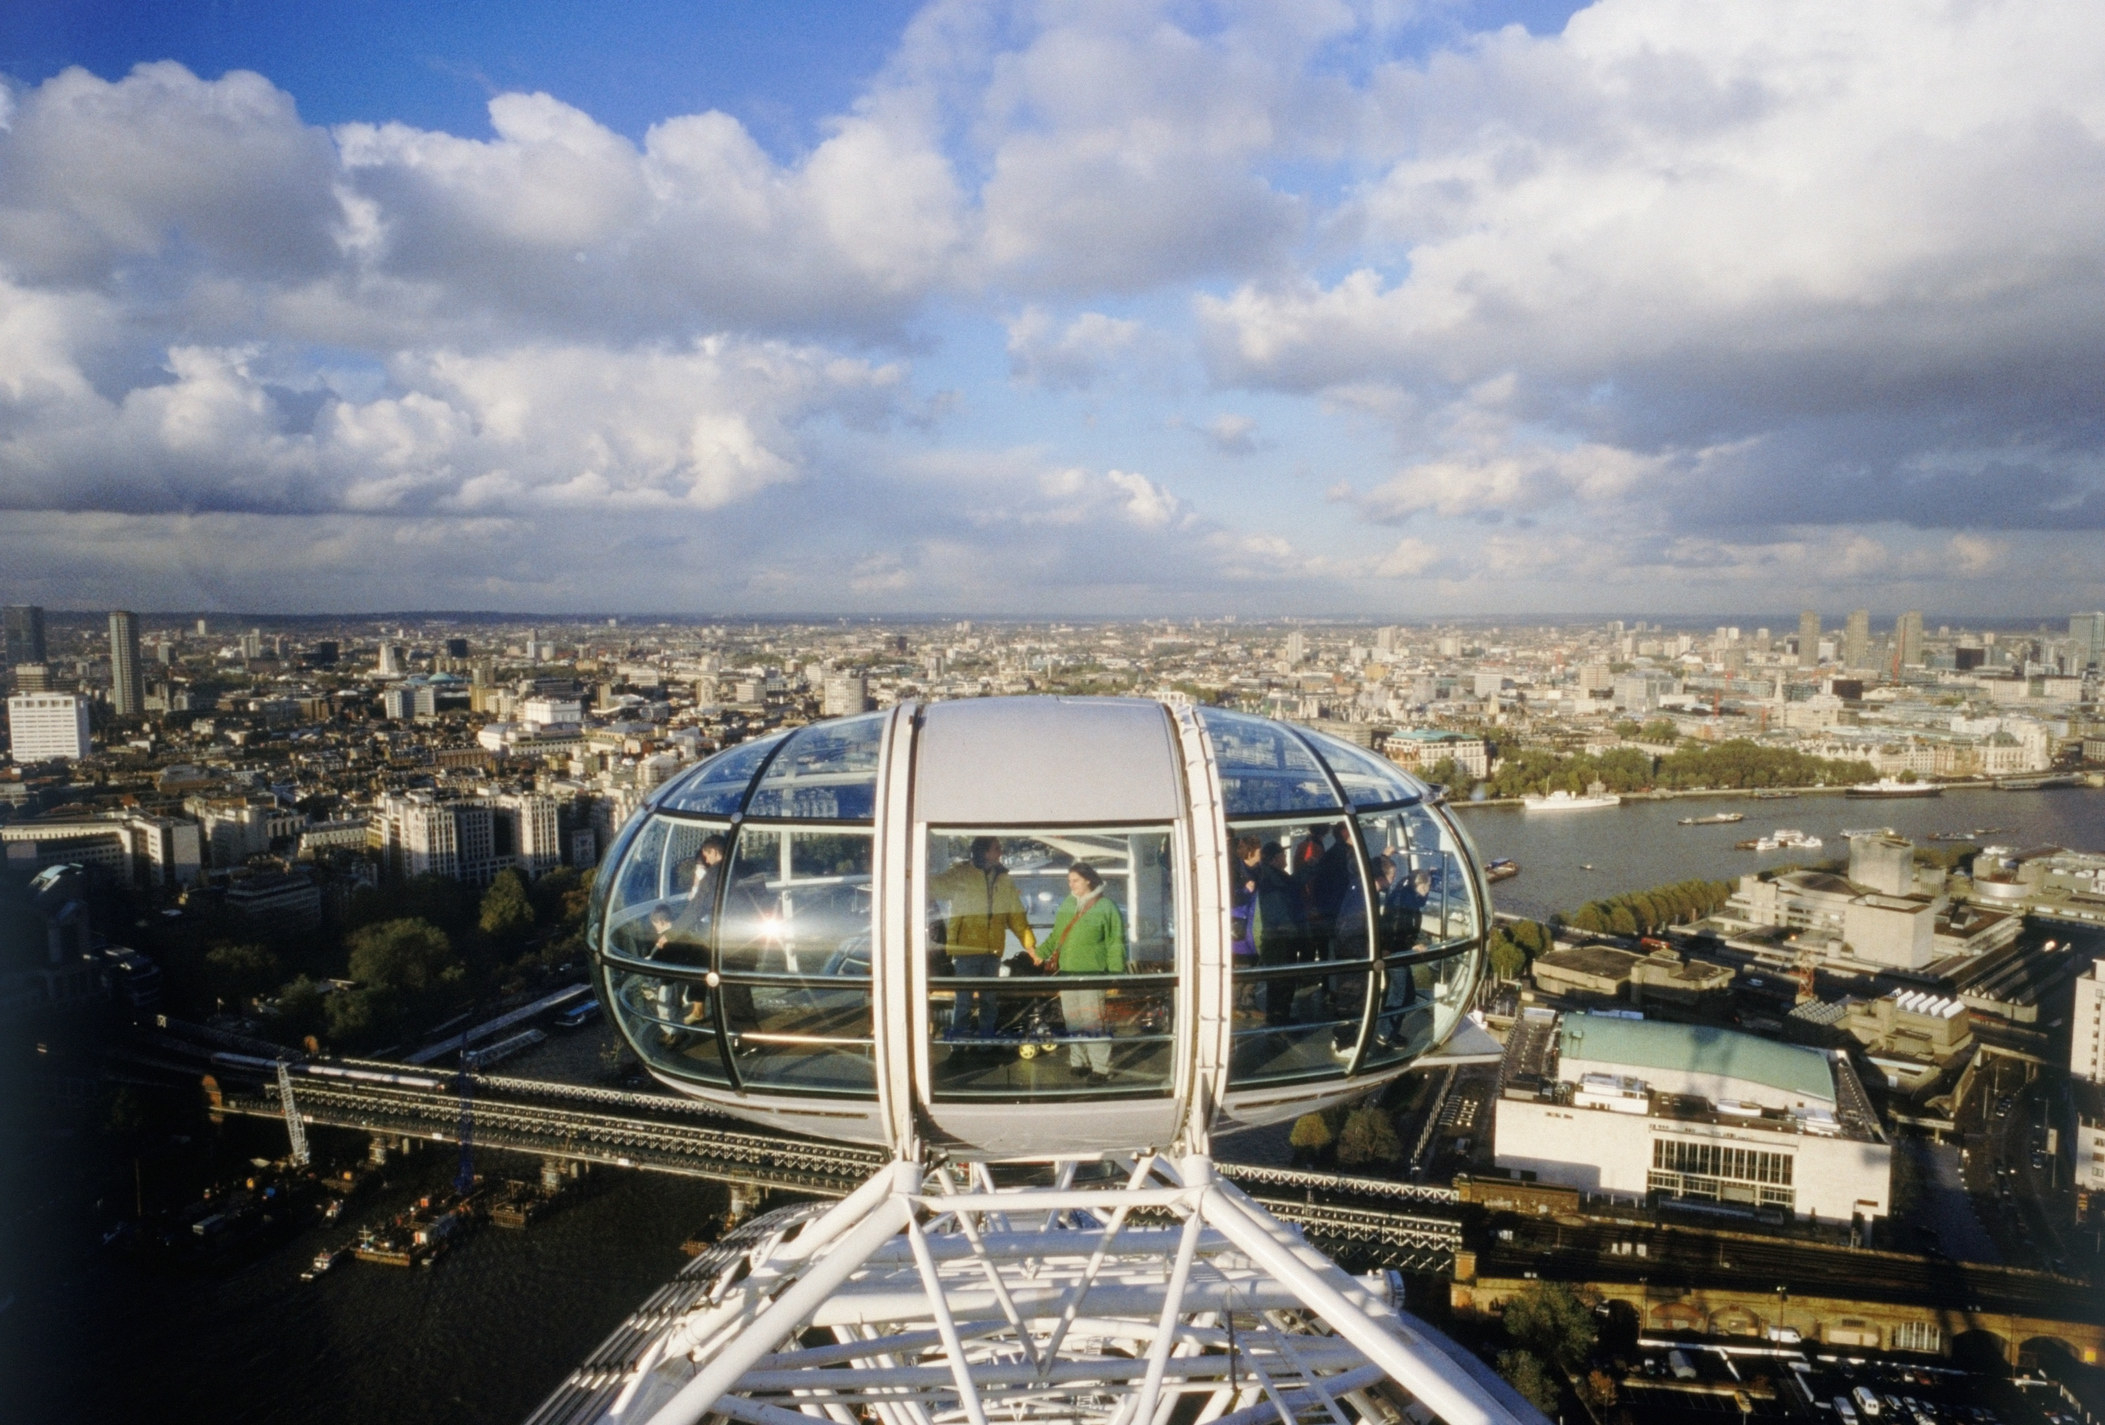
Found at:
<point>1088,938</point>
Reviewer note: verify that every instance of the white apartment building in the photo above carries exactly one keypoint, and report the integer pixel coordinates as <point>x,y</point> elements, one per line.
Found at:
<point>131,847</point>
<point>528,830</point>
<point>43,726</point>
<point>2086,1050</point>
<point>424,834</point>
<point>551,712</point>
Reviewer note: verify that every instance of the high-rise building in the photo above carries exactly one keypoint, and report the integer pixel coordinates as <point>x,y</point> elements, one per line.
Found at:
<point>2087,633</point>
<point>1808,638</point>
<point>34,678</point>
<point>204,629</point>
<point>127,692</point>
<point>1907,639</point>
<point>23,631</point>
<point>42,726</point>
<point>1385,641</point>
<point>533,645</point>
<point>2086,1050</point>
<point>390,664</point>
<point>528,829</point>
<point>456,648</point>
<point>252,643</point>
<point>1296,648</point>
<point>1856,639</point>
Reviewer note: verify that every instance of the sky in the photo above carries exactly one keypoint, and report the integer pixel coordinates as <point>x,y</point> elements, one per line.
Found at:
<point>1399,308</point>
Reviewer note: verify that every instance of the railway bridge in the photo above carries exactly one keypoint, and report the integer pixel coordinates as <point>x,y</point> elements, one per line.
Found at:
<point>1406,1226</point>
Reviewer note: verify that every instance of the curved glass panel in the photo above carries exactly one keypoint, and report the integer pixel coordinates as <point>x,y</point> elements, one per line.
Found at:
<point>793,949</point>
<point>1425,893</point>
<point>1263,766</point>
<point>671,1023</point>
<point>1426,902</point>
<point>1368,780</point>
<point>718,786</point>
<point>1296,902</point>
<point>827,772</point>
<point>661,908</point>
<point>1041,985</point>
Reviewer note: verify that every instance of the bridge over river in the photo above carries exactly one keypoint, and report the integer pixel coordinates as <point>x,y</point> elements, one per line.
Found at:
<point>1407,1226</point>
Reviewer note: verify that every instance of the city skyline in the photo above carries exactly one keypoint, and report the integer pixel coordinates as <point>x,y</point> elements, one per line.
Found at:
<point>1018,311</point>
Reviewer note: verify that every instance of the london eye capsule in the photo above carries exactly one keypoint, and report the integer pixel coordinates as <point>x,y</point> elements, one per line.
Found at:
<point>1016,928</point>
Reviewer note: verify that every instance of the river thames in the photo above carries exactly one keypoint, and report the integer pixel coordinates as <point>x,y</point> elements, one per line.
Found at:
<point>1568,858</point>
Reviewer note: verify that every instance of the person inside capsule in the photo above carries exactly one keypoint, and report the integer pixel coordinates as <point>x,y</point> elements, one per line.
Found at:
<point>1088,938</point>
<point>981,909</point>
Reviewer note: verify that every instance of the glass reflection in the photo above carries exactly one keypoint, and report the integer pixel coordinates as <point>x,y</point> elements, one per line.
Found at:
<point>827,772</point>
<point>718,786</point>
<point>1050,962</point>
<point>1263,766</point>
<point>1297,901</point>
<point>793,950</point>
<point>671,1023</point>
<point>1368,780</point>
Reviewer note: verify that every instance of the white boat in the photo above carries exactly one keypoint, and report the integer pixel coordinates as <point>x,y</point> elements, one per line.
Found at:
<point>1893,787</point>
<point>1565,801</point>
<point>1785,839</point>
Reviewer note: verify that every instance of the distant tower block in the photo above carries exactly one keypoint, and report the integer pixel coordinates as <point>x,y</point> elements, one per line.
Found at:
<point>1005,930</point>
<point>127,692</point>
<point>1856,639</point>
<point>1808,638</point>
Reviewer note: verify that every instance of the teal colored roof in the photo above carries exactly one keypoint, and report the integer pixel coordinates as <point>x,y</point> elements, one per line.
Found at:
<point>1697,1048</point>
<point>1433,734</point>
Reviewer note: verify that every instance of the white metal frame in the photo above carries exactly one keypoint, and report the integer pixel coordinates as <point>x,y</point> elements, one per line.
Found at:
<point>936,1297</point>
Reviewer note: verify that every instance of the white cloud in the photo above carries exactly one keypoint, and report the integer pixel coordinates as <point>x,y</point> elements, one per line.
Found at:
<point>1069,358</point>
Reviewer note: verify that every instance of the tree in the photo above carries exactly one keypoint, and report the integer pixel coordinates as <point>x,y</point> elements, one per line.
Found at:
<point>1525,1374</point>
<point>238,972</point>
<point>1549,1320</point>
<point>559,896</point>
<point>507,914</point>
<point>411,956</point>
<point>300,1010</point>
<point>1311,1133</point>
<point>1508,960</point>
<point>1369,1137</point>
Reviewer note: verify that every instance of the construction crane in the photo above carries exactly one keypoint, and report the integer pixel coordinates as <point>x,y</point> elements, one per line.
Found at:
<point>293,1126</point>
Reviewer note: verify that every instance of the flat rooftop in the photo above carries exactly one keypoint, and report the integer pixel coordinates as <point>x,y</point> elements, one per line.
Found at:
<point>1697,1048</point>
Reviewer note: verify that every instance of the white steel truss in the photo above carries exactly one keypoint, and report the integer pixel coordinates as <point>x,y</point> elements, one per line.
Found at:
<point>1162,1296</point>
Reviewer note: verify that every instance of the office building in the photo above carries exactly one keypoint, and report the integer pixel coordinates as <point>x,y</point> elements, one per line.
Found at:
<point>552,711</point>
<point>528,831</point>
<point>127,692</point>
<point>2086,1054</point>
<point>457,648</point>
<point>130,848</point>
<point>1907,639</point>
<point>44,726</point>
<point>281,902</point>
<point>2086,636</point>
<point>422,833</point>
<point>844,694</point>
<point>1856,639</point>
<point>22,626</point>
<point>1808,638</point>
<point>390,661</point>
<point>1296,649</point>
<point>398,704</point>
<point>1638,1109</point>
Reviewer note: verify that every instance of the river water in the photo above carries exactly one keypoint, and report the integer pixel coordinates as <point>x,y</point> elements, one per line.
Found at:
<point>1640,844</point>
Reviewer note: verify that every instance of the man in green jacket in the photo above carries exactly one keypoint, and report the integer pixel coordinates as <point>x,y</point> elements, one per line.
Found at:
<point>981,909</point>
<point>1088,938</point>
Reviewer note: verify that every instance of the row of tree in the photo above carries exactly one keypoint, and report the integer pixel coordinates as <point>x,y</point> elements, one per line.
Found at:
<point>1739,763</point>
<point>1644,912</point>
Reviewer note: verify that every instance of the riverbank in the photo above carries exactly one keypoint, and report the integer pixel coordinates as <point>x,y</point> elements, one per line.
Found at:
<point>1662,794</point>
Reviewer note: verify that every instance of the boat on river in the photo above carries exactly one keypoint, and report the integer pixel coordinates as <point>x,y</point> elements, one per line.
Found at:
<point>1505,868</point>
<point>1722,818</point>
<point>1781,839</point>
<point>1566,801</point>
<point>1894,787</point>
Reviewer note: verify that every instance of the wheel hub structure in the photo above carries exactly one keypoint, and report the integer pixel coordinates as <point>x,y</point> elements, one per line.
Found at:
<point>1159,1294</point>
